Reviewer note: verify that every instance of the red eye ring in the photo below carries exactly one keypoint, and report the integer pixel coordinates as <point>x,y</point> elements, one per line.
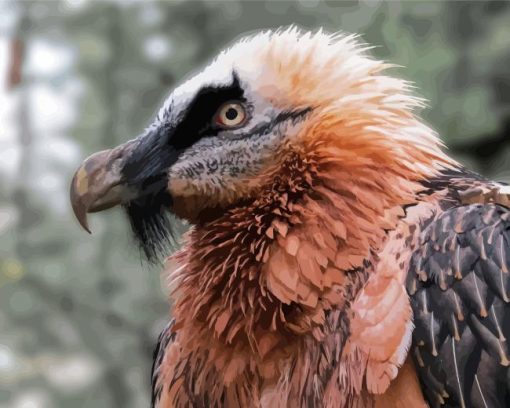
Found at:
<point>231,115</point>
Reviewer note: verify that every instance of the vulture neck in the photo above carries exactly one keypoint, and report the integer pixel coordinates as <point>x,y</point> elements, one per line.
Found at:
<point>269,271</point>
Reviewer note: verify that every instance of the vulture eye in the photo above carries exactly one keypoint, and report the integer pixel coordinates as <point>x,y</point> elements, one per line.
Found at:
<point>231,115</point>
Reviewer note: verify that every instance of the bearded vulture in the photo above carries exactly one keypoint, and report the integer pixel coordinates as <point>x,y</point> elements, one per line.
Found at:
<point>336,256</point>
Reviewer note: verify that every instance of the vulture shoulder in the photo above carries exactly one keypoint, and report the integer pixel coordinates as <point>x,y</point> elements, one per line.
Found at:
<point>459,287</point>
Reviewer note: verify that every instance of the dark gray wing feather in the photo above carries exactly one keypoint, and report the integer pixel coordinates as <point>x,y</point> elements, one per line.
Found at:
<point>166,337</point>
<point>459,286</point>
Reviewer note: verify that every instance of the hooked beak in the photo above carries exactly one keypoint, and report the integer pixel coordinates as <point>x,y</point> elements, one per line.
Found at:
<point>99,184</point>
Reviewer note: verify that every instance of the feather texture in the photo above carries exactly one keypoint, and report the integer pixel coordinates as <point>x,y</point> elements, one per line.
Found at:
<point>461,332</point>
<point>292,287</point>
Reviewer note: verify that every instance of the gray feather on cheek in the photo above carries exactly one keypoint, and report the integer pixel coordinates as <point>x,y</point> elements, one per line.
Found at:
<point>226,160</point>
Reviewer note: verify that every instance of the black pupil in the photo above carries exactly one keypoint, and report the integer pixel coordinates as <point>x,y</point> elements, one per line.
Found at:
<point>231,114</point>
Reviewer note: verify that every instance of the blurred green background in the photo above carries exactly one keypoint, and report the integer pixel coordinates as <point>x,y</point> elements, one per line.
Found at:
<point>80,314</point>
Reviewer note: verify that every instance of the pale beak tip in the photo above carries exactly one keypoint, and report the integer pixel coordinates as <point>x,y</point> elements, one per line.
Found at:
<point>83,222</point>
<point>80,213</point>
<point>78,203</point>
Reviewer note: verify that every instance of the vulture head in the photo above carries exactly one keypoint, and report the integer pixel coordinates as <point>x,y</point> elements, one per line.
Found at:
<point>269,115</point>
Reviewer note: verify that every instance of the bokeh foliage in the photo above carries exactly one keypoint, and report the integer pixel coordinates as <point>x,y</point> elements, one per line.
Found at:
<point>79,314</point>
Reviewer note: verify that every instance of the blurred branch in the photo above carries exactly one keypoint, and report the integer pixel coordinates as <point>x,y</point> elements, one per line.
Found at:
<point>16,51</point>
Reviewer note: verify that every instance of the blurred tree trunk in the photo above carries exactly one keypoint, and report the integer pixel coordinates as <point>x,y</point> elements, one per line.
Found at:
<point>114,377</point>
<point>26,215</point>
<point>110,139</point>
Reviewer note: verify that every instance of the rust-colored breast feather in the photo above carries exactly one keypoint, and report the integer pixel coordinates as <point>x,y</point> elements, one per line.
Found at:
<point>235,342</point>
<point>270,308</point>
